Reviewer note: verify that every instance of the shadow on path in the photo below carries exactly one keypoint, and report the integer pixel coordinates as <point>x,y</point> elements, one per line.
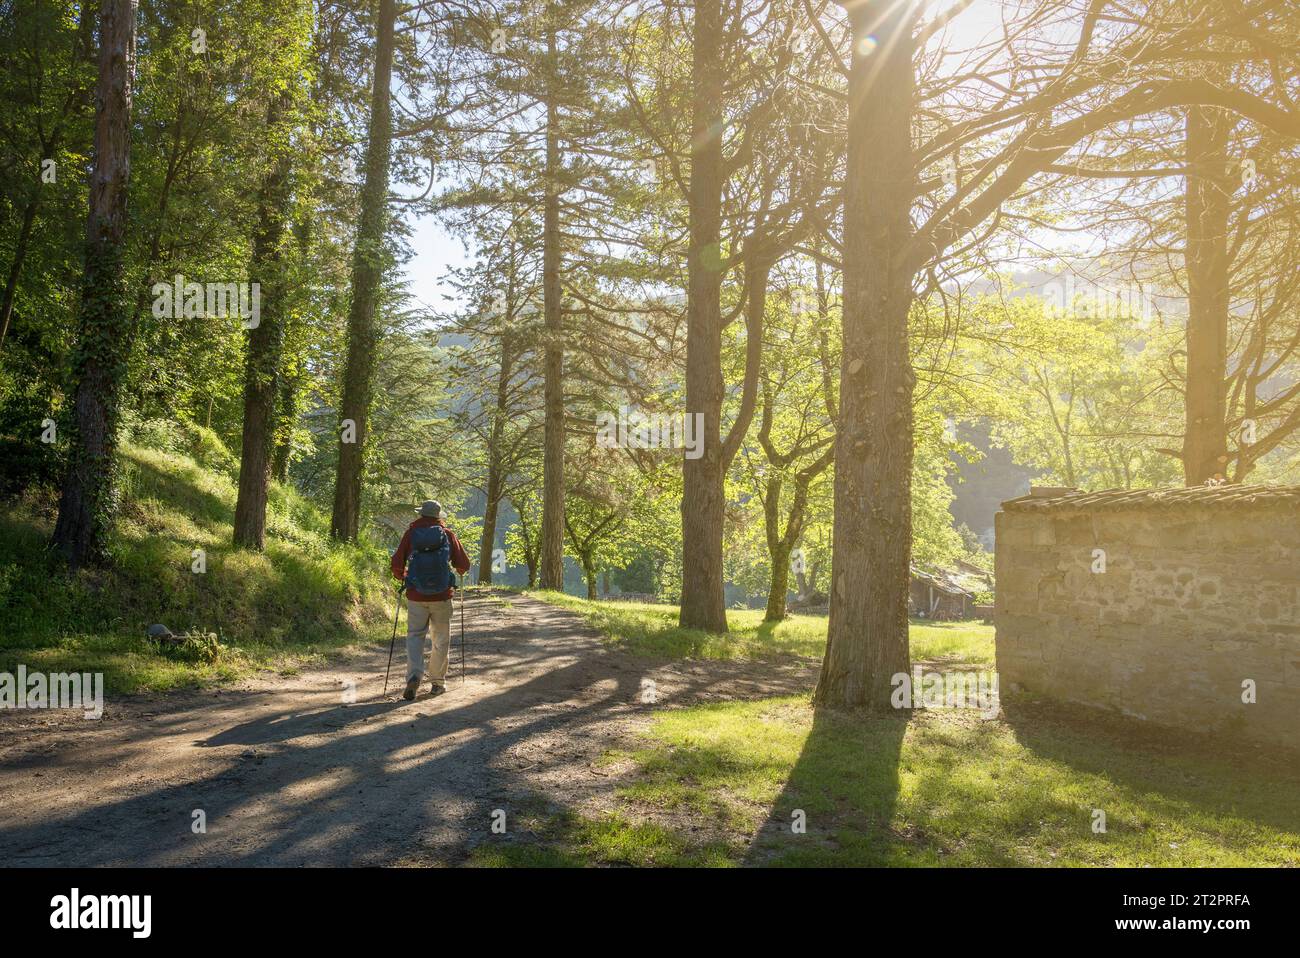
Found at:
<point>290,776</point>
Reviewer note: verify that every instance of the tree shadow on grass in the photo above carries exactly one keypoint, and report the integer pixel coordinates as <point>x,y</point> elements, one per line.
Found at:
<point>845,782</point>
<point>1217,775</point>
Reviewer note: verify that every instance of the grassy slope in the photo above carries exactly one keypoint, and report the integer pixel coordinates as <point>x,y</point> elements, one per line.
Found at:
<point>719,783</point>
<point>302,599</point>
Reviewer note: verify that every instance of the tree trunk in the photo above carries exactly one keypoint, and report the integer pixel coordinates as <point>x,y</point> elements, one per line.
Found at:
<point>367,281</point>
<point>505,371</point>
<point>867,641</point>
<point>20,254</point>
<point>265,347</point>
<point>589,570</point>
<point>1209,198</point>
<point>780,545</point>
<point>530,545</point>
<point>487,544</point>
<point>286,415</point>
<point>779,549</point>
<point>289,404</point>
<point>553,387</point>
<point>778,586</point>
<point>703,603</point>
<point>104,324</point>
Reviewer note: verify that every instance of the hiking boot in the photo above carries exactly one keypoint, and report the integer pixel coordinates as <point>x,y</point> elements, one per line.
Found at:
<point>412,686</point>
<point>436,689</point>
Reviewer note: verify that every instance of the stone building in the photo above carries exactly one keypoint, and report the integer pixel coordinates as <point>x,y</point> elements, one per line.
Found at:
<point>1174,606</point>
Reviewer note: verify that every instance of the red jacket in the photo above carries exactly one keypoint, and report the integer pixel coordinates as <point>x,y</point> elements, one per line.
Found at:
<point>459,560</point>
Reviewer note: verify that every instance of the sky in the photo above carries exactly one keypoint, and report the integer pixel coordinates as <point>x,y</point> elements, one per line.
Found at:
<point>434,251</point>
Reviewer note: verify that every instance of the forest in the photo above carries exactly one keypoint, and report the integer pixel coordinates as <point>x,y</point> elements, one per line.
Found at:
<point>739,282</point>
<point>804,433</point>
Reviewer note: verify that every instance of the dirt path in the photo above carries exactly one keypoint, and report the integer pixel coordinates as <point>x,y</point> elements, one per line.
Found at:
<point>287,774</point>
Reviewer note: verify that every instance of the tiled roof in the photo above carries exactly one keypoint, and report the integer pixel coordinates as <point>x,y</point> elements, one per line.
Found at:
<point>1231,495</point>
<point>954,582</point>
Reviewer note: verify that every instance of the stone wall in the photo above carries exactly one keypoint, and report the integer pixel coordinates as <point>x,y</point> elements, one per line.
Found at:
<point>1200,592</point>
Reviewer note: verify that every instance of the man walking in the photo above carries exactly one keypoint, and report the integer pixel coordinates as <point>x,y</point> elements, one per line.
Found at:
<point>432,550</point>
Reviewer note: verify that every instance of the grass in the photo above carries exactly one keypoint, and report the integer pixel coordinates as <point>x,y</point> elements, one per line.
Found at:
<point>561,839</point>
<point>301,601</point>
<point>945,788</point>
<point>724,783</point>
<point>642,628</point>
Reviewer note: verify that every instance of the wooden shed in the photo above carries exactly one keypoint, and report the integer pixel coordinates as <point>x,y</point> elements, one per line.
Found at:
<point>946,594</point>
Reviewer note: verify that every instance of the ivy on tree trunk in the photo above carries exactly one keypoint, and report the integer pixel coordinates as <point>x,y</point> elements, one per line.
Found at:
<point>367,278</point>
<point>265,346</point>
<point>105,329</point>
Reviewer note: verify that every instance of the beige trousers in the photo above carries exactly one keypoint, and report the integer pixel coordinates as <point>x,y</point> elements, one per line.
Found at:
<point>419,617</point>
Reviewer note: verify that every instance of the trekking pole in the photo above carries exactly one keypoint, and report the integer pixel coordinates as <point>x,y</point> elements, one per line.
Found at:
<point>397,608</point>
<point>462,630</point>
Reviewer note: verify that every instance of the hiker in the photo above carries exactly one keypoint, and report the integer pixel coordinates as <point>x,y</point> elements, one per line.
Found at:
<point>433,550</point>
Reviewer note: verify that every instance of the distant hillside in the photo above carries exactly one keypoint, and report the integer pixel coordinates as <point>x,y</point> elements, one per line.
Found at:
<point>980,487</point>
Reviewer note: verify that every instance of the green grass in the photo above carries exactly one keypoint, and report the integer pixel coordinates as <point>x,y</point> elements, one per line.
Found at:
<point>561,839</point>
<point>650,629</point>
<point>945,788</point>
<point>301,601</point>
<point>720,783</point>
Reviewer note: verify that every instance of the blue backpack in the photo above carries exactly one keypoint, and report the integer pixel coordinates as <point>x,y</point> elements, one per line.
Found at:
<point>429,568</point>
